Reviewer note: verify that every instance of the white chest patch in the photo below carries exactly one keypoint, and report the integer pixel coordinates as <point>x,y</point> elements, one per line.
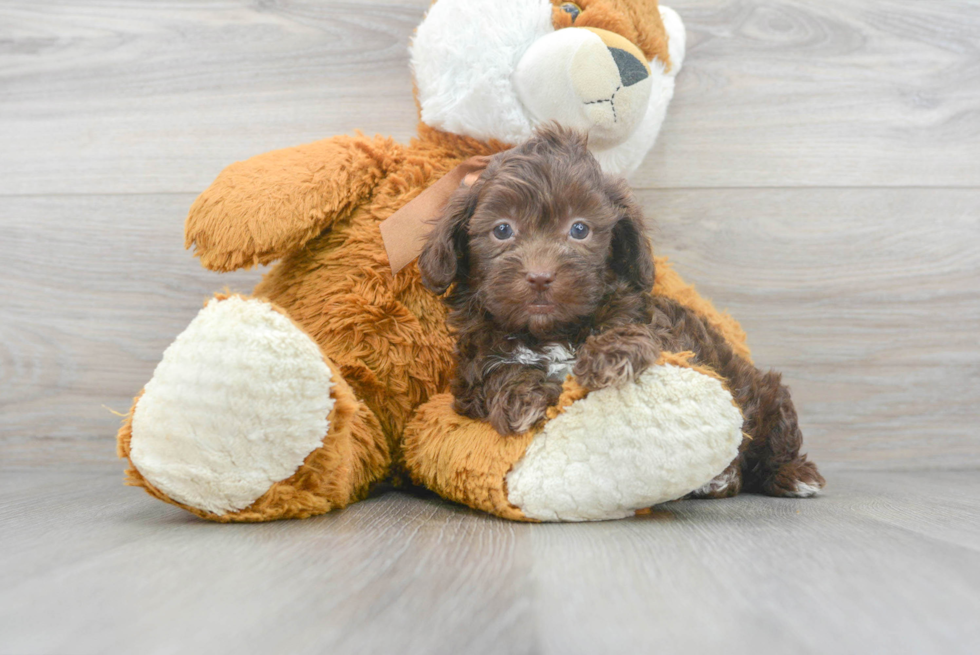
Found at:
<point>558,359</point>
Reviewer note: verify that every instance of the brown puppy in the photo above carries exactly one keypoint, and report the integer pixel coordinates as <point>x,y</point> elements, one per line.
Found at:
<point>550,274</point>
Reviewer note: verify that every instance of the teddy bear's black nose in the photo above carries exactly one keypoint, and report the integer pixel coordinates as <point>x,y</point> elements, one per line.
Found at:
<point>631,69</point>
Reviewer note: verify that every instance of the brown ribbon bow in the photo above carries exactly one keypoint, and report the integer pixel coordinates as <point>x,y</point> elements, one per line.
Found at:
<point>405,231</point>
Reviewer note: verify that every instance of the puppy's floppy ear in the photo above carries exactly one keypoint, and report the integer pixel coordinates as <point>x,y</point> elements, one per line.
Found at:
<point>630,257</point>
<point>443,258</point>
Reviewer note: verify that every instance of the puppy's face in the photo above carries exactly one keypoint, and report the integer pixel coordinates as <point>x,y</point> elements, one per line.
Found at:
<point>539,239</point>
<point>538,254</point>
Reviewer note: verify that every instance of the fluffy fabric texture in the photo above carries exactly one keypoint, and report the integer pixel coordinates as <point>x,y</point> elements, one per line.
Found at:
<point>461,459</point>
<point>282,199</point>
<point>463,56</point>
<point>626,448</point>
<point>387,334</point>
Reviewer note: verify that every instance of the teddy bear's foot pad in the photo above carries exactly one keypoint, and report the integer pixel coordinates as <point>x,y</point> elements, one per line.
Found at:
<point>239,401</point>
<point>627,448</point>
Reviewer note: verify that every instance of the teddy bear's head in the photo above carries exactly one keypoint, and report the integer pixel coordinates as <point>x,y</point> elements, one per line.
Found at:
<point>497,70</point>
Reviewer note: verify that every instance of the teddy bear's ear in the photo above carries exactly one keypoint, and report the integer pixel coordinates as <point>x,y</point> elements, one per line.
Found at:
<point>631,256</point>
<point>443,259</point>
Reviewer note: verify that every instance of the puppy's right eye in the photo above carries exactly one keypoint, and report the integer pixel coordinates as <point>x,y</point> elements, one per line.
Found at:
<point>503,232</point>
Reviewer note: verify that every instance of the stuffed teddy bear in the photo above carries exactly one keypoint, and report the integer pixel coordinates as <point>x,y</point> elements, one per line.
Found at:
<point>332,375</point>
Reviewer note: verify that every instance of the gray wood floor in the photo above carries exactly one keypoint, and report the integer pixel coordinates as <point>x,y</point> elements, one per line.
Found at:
<point>885,562</point>
<point>818,175</point>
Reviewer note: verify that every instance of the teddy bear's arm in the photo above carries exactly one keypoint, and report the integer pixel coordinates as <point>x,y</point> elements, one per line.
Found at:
<point>263,208</point>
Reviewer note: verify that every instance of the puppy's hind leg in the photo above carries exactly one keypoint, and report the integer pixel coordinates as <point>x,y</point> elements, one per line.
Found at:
<point>726,484</point>
<point>775,466</point>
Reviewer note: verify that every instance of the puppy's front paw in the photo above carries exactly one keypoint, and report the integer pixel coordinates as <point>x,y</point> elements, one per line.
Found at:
<point>615,357</point>
<point>517,408</point>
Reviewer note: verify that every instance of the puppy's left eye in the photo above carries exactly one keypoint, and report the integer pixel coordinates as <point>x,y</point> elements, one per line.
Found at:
<point>503,232</point>
<point>579,230</point>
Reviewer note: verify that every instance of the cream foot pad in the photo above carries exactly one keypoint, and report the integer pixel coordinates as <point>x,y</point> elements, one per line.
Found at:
<point>238,402</point>
<point>623,449</point>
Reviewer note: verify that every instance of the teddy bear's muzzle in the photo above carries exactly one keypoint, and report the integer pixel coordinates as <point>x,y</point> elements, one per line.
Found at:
<point>588,79</point>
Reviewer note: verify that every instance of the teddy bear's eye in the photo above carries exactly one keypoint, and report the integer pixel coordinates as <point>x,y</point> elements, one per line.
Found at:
<point>503,232</point>
<point>579,230</point>
<point>571,9</point>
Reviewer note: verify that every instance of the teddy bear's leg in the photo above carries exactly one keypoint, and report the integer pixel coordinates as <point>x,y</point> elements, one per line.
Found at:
<point>245,419</point>
<point>601,455</point>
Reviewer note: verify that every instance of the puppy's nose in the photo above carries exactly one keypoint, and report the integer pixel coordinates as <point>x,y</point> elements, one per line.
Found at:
<point>540,281</point>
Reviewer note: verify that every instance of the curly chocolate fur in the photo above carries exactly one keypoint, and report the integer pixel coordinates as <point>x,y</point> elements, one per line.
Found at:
<point>535,301</point>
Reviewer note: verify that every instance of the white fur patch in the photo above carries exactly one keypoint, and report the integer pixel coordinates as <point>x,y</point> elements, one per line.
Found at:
<point>719,484</point>
<point>559,359</point>
<point>625,448</point>
<point>238,402</point>
<point>805,490</point>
